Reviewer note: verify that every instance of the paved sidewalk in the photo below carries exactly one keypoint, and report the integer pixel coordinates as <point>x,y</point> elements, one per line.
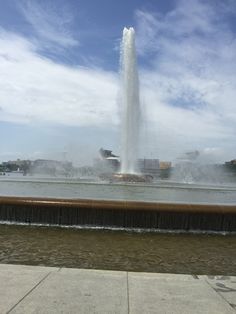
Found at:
<point>33,289</point>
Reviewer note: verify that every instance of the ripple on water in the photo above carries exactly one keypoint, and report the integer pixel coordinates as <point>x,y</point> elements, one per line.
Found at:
<point>119,250</point>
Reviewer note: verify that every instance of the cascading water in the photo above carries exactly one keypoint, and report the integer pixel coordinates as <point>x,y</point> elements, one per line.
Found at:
<point>130,103</point>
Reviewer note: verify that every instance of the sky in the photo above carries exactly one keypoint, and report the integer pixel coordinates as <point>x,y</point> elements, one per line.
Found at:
<point>59,77</point>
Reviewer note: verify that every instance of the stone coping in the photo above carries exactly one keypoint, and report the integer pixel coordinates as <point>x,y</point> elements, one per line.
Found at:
<point>120,205</point>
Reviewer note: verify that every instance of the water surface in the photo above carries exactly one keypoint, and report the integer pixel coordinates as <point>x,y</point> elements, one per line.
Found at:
<point>163,191</point>
<point>118,250</point>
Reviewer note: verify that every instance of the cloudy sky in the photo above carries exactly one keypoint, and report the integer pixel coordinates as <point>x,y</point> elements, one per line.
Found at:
<point>59,64</point>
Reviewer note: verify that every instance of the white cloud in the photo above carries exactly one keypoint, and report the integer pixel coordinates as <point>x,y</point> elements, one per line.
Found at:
<point>190,85</point>
<point>50,22</point>
<point>33,88</point>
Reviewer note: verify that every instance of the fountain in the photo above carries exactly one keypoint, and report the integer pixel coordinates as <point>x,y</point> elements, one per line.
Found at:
<point>168,206</point>
<point>130,103</point>
<point>130,107</point>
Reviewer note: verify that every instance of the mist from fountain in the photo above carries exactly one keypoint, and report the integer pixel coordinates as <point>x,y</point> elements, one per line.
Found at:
<point>130,104</point>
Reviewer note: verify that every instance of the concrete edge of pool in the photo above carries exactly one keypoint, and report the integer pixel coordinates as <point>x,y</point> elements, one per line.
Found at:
<point>31,289</point>
<point>120,205</point>
<point>123,214</point>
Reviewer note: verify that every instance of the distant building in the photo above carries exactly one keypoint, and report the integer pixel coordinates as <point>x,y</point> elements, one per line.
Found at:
<point>105,153</point>
<point>16,165</point>
<point>51,167</point>
<point>231,162</point>
<point>149,166</point>
<point>46,163</point>
<point>113,162</point>
<point>164,165</point>
<point>110,162</point>
<point>153,166</point>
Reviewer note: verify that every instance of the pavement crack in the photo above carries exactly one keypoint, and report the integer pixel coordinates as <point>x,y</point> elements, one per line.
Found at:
<point>34,287</point>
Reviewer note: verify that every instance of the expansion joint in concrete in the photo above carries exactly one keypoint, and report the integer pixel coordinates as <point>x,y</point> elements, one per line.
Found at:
<point>34,287</point>
<point>127,283</point>
<point>222,297</point>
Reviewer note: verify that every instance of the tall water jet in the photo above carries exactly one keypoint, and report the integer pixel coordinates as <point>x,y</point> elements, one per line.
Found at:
<point>130,103</point>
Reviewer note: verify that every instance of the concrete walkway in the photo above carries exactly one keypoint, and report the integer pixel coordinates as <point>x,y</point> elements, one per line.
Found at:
<point>33,289</point>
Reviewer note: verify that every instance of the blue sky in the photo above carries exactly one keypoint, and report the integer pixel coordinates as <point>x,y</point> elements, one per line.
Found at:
<point>59,64</point>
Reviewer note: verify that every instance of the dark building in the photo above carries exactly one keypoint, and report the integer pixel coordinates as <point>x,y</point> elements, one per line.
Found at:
<point>150,166</point>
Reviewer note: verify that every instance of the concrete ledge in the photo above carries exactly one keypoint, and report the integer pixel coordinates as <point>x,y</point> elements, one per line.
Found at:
<point>121,205</point>
<point>32,289</point>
